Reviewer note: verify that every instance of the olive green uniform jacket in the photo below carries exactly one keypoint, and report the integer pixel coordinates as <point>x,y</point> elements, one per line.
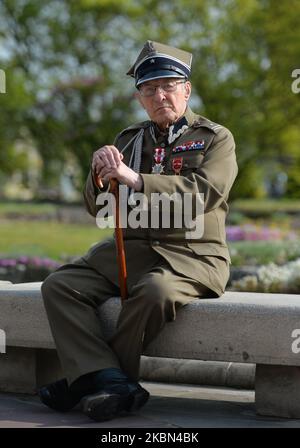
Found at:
<point>210,170</point>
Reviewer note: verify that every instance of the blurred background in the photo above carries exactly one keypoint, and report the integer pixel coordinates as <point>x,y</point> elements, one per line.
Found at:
<point>67,94</point>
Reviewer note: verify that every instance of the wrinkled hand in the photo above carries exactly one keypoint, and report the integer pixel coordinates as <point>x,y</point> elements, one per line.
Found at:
<point>107,163</point>
<point>123,174</point>
<point>108,156</point>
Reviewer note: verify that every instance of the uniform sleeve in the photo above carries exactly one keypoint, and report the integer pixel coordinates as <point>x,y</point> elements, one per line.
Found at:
<point>213,176</point>
<point>91,190</point>
<point>90,193</point>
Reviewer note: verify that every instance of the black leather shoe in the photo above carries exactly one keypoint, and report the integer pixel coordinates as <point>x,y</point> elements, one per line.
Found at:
<point>104,394</point>
<point>112,401</point>
<point>57,396</point>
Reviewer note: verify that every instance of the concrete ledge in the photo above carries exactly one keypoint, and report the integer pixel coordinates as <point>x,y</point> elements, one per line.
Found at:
<point>23,316</point>
<point>23,369</point>
<point>279,396</point>
<point>238,327</point>
<point>218,335</point>
<point>30,343</point>
<point>191,371</point>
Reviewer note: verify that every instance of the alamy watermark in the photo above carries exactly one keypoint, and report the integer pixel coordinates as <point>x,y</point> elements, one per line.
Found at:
<point>296,84</point>
<point>162,211</point>
<point>2,81</point>
<point>296,343</point>
<point>2,341</point>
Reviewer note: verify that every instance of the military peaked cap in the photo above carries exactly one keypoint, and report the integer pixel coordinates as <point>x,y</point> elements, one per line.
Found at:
<point>160,61</point>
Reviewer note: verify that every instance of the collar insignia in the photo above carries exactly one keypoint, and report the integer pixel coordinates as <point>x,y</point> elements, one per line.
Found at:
<point>177,129</point>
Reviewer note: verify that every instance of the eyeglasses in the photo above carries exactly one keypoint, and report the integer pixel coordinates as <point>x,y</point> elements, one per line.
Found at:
<point>167,87</point>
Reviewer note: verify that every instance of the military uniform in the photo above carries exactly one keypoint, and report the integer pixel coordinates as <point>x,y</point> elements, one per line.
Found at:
<point>210,170</point>
<point>165,269</point>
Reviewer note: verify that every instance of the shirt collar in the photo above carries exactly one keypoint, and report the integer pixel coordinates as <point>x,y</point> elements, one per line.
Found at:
<point>177,128</point>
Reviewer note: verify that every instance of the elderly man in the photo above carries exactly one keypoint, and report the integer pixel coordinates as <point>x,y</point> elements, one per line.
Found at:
<point>176,151</point>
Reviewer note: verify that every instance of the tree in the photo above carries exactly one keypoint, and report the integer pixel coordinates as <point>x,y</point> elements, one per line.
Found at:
<point>69,59</point>
<point>61,51</point>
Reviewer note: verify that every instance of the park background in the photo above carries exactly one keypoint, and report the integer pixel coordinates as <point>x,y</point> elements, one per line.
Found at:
<point>67,94</point>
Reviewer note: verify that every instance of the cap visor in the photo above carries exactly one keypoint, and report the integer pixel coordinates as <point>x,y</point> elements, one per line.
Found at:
<point>158,74</point>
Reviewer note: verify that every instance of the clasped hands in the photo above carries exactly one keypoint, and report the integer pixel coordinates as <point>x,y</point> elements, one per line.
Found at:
<point>107,163</point>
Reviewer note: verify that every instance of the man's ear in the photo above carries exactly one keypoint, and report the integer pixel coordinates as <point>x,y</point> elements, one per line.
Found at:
<point>188,89</point>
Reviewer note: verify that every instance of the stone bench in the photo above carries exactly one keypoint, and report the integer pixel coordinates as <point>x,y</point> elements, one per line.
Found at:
<point>251,328</point>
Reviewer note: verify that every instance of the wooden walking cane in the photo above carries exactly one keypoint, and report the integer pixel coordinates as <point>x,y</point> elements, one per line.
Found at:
<point>114,188</point>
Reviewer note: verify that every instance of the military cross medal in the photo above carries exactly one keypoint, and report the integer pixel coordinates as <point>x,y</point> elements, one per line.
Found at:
<point>159,155</point>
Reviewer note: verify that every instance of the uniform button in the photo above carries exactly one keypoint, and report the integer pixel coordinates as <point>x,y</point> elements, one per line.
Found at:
<point>155,243</point>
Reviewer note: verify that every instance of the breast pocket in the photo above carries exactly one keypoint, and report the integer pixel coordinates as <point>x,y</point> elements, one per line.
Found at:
<point>189,162</point>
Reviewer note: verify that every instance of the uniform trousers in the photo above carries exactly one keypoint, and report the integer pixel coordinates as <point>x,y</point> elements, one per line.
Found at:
<point>72,297</point>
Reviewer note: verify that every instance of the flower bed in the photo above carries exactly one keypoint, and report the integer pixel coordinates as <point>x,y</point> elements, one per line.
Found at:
<point>251,232</point>
<point>272,278</point>
<point>26,269</point>
<point>257,253</point>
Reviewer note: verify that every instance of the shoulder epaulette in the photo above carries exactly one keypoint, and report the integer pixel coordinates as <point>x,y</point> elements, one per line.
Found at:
<point>136,126</point>
<point>204,122</point>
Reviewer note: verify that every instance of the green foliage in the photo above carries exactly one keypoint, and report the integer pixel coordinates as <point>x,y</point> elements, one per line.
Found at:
<point>67,92</point>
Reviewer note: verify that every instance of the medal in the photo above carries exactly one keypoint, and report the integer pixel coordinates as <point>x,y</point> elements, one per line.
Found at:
<point>159,155</point>
<point>157,168</point>
<point>177,165</point>
<point>190,146</point>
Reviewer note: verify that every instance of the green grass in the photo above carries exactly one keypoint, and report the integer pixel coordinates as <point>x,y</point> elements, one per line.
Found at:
<point>48,239</point>
<point>59,241</point>
<point>265,206</point>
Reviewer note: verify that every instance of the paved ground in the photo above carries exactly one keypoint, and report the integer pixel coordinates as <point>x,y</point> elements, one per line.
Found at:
<point>170,406</point>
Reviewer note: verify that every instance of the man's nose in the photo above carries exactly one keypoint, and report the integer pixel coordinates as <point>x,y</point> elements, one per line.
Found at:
<point>160,94</point>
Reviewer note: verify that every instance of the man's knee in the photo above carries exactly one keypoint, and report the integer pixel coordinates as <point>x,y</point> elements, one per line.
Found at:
<point>51,286</point>
<point>155,290</point>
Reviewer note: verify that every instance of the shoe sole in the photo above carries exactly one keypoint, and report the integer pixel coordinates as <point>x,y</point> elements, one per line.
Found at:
<point>104,406</point>
<point>138,399</point>
<point>51,402</point>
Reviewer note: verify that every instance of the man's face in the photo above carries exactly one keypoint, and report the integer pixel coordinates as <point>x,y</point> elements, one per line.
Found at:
<point>164,108</point>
